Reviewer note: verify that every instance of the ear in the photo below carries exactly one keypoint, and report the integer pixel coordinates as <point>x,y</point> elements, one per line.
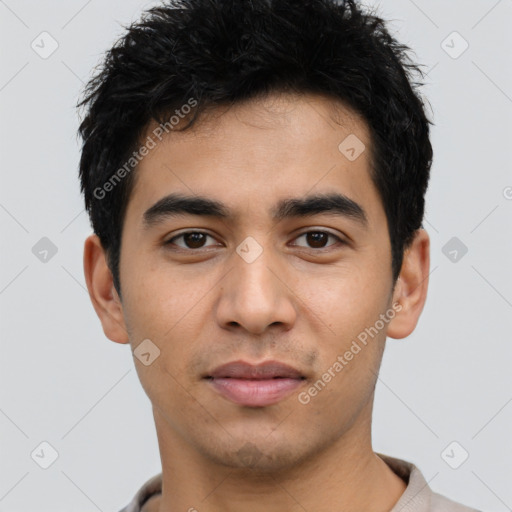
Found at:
<point>411,286</point>
<point>104,297</point>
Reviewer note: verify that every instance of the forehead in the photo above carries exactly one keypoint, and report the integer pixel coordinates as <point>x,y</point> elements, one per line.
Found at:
<point>253,152</point>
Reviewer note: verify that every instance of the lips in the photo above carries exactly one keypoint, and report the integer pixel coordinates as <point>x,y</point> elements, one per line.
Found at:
<point>255,385</point>
<point>266,370</point>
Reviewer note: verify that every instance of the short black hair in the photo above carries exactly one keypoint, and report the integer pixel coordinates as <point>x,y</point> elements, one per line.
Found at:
<point>209,53</point>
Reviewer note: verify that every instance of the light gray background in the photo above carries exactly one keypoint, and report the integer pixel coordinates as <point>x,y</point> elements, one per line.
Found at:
<point>64,382</point>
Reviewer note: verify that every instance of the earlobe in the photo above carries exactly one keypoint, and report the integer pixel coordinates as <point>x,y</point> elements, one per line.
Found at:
<point>102,293</point>
<point>411,287</point>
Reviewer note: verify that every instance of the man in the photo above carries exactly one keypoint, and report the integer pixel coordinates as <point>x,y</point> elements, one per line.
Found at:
<point>255,174</point>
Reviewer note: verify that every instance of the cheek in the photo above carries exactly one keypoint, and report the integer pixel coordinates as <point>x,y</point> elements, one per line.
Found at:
<point>160,300</point>
<point>348,305</point>
<point>345,302</point>
<point>161,309</point>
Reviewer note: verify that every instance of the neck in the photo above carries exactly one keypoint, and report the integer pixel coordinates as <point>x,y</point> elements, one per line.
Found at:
<point>346,475</point>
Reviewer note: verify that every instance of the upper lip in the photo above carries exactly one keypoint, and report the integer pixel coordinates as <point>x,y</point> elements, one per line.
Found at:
<point>265,370</point>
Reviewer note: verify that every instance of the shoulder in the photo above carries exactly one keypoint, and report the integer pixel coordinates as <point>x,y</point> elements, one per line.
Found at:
<point>441,503</point>
<point>150,489</point>
<point>418,496</point>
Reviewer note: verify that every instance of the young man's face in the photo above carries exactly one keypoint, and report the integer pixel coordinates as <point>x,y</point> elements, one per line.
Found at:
<point>283,295</point>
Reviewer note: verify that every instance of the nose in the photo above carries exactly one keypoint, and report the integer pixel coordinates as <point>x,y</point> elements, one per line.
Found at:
<point>255,295</point>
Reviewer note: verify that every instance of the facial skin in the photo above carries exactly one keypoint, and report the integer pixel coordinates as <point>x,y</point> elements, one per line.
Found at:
<point>302,301</point>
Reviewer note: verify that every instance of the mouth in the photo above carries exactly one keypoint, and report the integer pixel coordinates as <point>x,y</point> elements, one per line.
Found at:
<point>255,385</point>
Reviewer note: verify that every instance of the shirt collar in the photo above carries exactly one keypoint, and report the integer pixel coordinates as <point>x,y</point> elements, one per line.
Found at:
<point>416,497</point>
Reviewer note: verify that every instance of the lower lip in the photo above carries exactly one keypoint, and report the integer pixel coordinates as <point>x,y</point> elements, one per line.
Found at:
<point>255,393</point>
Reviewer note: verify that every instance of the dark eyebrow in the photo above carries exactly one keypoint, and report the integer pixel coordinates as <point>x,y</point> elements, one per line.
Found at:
<point>178,204</point>
<point>335,203</point>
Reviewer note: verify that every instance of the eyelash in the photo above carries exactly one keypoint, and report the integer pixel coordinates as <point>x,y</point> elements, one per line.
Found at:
<point>321,249</point>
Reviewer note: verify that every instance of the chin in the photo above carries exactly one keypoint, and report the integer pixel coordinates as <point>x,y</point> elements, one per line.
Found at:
<point>263,456</point>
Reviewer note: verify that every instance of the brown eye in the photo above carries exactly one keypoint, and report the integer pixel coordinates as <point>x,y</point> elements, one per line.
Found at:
<point>191,240</point>
<point>318,239</point>
<point>194,240</point>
